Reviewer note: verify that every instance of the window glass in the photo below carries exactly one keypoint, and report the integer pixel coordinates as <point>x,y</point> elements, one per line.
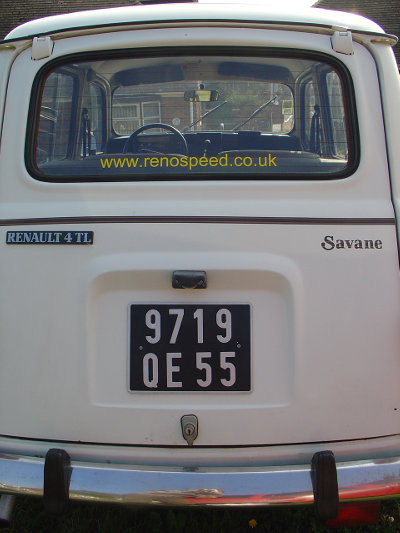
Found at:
<point>93,119</point>
<point>151,112</point>
<point>308,107</point>
<point>54,129</point>
<point>126,117</point>
<point>129,112</point>
<point>192,117</point>
<point>338,119</point>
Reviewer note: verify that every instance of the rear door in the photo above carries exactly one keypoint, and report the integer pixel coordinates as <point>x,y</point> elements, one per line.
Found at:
<point>242,268</point>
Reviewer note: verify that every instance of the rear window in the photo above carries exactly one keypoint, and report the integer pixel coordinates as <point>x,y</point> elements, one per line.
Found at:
<point>192,116</point>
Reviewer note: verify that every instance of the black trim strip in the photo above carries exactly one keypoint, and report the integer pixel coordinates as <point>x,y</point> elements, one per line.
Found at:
<point>34,440</point>
<point>197,220</point>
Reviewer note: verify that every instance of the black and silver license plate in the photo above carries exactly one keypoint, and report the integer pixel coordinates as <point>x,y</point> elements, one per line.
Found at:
<point>189,347</point>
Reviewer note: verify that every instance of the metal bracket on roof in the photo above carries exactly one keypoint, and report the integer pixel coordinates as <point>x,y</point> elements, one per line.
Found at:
<point>342,41</point>
<point>42,47</point>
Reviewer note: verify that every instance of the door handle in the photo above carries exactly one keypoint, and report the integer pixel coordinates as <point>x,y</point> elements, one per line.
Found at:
<point>189,279</point>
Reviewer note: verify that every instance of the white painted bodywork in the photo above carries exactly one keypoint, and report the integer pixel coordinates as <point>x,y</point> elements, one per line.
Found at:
<point>325,336</point>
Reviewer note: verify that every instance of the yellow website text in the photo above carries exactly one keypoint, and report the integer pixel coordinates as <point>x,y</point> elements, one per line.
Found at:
<point>188,162</point>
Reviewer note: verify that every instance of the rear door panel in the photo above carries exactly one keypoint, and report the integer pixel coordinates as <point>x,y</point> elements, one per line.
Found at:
<point>324,332</point>
<point>317,362</point>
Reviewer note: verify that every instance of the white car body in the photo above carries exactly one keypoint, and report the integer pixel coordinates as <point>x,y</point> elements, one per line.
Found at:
<point>316,262</point>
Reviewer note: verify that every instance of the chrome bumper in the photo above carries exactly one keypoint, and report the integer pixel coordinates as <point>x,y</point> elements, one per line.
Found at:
<point>128,484</point>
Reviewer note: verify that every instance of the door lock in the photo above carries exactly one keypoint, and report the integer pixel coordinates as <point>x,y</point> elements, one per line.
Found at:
<point>190,428</point>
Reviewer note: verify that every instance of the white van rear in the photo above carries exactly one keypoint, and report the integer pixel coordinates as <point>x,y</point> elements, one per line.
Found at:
<point>200,267</point>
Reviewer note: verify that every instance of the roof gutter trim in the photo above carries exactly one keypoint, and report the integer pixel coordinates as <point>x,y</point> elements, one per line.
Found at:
<point>123,26</point>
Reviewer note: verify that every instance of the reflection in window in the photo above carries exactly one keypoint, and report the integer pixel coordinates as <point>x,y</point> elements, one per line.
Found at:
<point>129,113</point>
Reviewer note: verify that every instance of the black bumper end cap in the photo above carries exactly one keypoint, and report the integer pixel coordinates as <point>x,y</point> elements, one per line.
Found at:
<point>57,474</point>
<point>325,484</point>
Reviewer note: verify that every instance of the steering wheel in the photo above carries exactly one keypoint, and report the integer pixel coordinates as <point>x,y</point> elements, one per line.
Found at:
<point>131,143</point>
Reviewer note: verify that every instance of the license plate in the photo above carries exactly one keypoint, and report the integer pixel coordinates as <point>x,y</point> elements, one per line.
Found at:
<point>189,347</point>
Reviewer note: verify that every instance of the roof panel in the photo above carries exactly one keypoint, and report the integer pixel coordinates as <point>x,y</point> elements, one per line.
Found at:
<point>192,12</point>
